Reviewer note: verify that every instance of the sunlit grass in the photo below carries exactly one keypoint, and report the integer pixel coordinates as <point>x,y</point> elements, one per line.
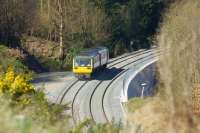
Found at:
<point>136,103</point>
<point>179,71</point>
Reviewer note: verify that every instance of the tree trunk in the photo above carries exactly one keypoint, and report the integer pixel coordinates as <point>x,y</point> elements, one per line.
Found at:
<point>61,39</point>
<point>61,30</point>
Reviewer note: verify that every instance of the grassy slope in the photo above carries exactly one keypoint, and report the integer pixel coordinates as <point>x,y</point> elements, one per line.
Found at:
<point>149,113</point>
<point>47,53</point>
<point>12,57</point>
<point>37,116</point>
<point>40,55</point>
<point>179,71</point>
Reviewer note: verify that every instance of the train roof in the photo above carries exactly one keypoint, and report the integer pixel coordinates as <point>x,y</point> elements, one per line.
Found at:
<point>92,51</point>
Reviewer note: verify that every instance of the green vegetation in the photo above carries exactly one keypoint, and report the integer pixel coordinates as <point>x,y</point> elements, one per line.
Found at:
<point>25,110</point>
<point>73,25</point>
<point>51,32</point>
<point>136,103</point>
<point>172,110</point>
<point>179,68</point>
<point>12,57</point>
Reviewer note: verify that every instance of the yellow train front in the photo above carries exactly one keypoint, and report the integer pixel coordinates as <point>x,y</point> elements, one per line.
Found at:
<point>87,62</point>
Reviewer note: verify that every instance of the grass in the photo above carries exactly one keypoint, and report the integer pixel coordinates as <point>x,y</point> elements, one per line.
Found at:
<point>38,116</point>
<point>179,71</point>
<point>179,68</point>
<point>136,103</point>
<point>150,115</point>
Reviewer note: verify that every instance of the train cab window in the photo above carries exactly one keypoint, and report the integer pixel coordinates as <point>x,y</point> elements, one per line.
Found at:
<point>82,62</point>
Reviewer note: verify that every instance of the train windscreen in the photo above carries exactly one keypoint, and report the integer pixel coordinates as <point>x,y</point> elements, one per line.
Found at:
<point>82,62</point>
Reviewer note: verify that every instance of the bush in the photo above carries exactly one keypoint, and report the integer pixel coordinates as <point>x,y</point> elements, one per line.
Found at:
<point>12,57</point>
<point>15,85</point>
<point>179,66</point>
<point>25,109</point>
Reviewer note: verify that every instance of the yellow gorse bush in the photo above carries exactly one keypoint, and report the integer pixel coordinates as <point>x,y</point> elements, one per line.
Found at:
<point>15,84</point>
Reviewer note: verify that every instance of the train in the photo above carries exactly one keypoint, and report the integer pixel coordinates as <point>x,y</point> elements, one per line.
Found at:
<point>89,61</point>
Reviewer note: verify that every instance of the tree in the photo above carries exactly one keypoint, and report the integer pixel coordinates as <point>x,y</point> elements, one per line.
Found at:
<point>15,18</point>
<point>79,23</point>
<point>142,21</point>
<point>60,8</point>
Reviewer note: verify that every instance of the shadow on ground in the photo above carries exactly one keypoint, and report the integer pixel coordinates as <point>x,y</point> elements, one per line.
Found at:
<point>147,76</point>
<point>106,74</point>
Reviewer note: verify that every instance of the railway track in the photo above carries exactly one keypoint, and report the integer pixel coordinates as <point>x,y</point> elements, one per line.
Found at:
<point>109,85</point>
<point>103,91</point>
<point>77,85</point>
<point>110,64</point>
<point>118,75</point>
<point>115,60</point>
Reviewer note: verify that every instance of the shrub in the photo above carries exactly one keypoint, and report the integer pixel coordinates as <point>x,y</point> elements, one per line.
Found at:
<point>179,66</point>
<point>15,85</point>
<point>12,57</point>
<point>25,109</point>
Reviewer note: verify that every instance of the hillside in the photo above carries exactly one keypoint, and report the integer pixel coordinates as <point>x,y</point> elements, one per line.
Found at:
<point>172,110</point>
<point>12,57</point>
<point>46,53</point>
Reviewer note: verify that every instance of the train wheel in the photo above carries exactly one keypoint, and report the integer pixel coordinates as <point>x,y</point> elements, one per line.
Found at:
<point>104,66</point>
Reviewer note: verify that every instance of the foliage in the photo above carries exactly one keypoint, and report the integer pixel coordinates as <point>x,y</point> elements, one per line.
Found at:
<point>52,64</point>
<point>83,22</point>
<point>133,22</point>
<point>86,23</point>
<point>26,110</point>
<point>136,103</point>
<point>141,22</point>
<point>15,85</point>
<point>36,116</point>
<point>92,127</point>
<point>7,59</point>
<point>15,19</point>
<point>179,67</point>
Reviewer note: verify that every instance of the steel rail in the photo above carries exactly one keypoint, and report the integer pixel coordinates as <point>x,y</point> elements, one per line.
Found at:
<point>98,84</point>
<point>112,81</point>
<point>135,54</point>
<point>92,116</point>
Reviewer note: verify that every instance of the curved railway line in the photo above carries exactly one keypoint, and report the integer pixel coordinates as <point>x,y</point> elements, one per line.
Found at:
<point>120,63</point>
<point>108,86</point>
<point>116,60</point>
<point>118,75</point>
